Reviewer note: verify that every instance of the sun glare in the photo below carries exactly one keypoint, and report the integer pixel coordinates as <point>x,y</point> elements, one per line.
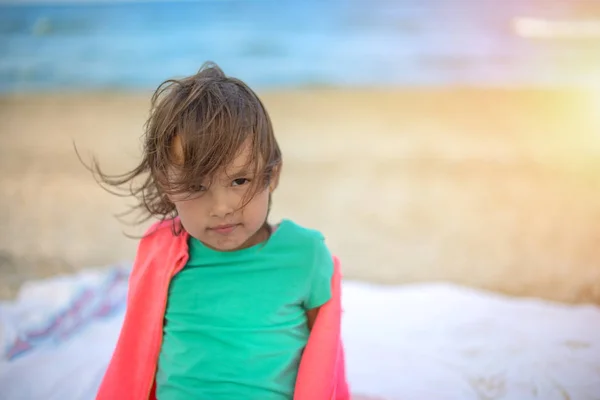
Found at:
<point>548,29</point>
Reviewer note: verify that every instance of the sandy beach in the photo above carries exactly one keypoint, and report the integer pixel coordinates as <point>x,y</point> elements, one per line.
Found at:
<point>495,189</point>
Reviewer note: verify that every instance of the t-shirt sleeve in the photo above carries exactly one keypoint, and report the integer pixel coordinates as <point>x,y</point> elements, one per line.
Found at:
<point>319,289</point>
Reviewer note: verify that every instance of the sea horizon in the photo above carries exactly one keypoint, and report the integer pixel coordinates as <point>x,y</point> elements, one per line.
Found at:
<point>133,45</point>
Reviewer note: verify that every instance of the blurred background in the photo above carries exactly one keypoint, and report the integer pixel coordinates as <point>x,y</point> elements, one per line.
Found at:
<point>430,140</point>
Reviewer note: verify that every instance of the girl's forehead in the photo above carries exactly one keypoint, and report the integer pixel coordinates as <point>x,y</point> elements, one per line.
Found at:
<point>242,161</point>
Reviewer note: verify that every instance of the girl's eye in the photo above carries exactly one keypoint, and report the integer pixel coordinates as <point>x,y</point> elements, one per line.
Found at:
<point>240,181</point>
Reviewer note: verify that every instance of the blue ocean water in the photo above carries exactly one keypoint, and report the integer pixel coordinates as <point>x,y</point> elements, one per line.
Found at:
<point>279,43</point>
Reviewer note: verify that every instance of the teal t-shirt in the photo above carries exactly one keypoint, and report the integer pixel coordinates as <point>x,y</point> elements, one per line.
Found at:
<point>235,324</point>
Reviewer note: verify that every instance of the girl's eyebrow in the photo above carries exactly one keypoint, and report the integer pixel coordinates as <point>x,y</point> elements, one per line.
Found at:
<point>241,173</point>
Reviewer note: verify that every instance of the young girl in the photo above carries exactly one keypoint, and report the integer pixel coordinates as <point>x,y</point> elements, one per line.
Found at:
<point>221,304</point>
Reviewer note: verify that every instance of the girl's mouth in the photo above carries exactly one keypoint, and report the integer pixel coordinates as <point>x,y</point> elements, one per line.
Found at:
<point>224,229</point>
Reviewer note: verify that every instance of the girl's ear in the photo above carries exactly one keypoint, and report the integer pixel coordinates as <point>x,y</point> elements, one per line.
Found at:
<point>176,151</point>
<point>274,181</point>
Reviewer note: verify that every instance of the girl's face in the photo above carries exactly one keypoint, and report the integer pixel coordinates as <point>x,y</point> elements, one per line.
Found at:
<point>213,215</point>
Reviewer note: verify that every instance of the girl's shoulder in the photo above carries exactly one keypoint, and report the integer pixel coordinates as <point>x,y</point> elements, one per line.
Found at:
<point>162,241</point>
<point>163,227</point>
<point>302,241</point>
<point>292,230</point>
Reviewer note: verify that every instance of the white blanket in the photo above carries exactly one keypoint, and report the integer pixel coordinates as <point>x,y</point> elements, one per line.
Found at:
<point>429,342</point>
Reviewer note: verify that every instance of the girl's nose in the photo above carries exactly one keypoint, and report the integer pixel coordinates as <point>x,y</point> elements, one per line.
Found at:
<point>221,204</point>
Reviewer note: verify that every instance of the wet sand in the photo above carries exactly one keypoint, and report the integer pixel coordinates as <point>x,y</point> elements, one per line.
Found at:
<point>495,189</point>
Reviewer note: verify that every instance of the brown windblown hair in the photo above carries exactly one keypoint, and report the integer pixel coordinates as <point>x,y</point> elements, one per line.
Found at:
<point>214,115</point>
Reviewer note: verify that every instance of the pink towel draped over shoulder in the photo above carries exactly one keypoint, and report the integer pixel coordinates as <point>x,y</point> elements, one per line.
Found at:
<point>161,255</point>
